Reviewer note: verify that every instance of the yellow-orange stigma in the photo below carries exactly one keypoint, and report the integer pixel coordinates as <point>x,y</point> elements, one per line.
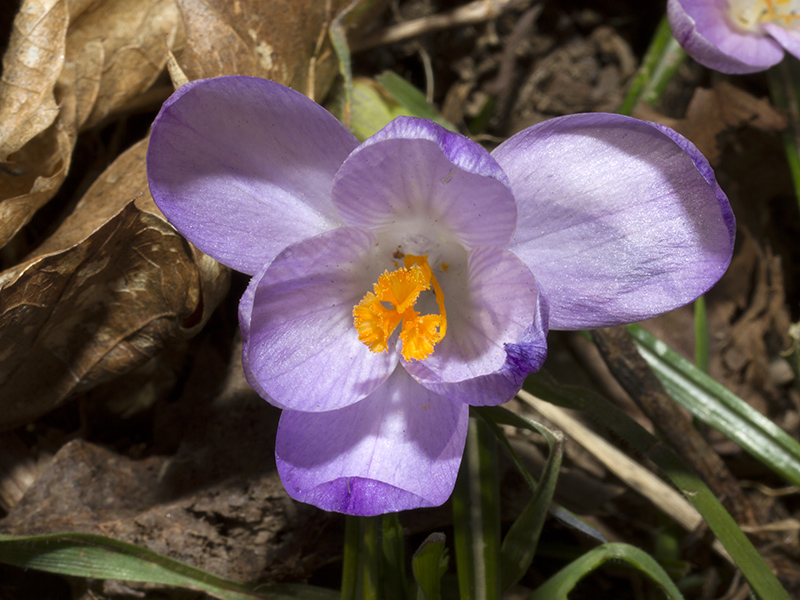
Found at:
<point>773,13</point>
<point>749,13</point>
<point>400,289</point>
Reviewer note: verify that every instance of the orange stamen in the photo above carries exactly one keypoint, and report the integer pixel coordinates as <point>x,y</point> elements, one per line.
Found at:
<point>400,289</point>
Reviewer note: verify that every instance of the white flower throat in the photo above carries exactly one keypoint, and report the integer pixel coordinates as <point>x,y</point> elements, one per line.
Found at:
<point>749,14</point>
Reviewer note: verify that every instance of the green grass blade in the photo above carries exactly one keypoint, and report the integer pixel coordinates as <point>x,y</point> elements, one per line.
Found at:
<point>520,543</point>
<point>761,579</point>
<point>476,516</point>
<point>429,564</point>
<point>561,584</point>
<point>98,557</point>
<point>713,404</point>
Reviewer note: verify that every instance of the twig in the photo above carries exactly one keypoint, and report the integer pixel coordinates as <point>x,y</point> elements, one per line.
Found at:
<point>474,12</point>
<point>632,473</point>
<point>631,370</point>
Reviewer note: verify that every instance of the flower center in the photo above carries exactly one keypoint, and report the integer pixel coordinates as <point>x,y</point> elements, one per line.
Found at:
<point>392,302</point>
<point>749,14</point>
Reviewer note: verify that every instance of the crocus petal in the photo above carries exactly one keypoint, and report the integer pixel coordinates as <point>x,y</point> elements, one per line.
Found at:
<point>245,317</point>
<point>302,347</point>
<point>496,334</point>
<point>788,38</point>
<point>705,32</point>
<point>619,219</point>
<point>243,167</point>
<point>416,171</point>
<point>398,449</point>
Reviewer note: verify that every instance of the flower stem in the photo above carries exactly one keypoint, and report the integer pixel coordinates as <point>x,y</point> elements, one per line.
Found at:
<point>660,64</point>
<point>784,91</point>
<point>360,570</point>
<point>370,558</point>
<point>393,575</point>
<point>476,516</point>
<point>350,562</point>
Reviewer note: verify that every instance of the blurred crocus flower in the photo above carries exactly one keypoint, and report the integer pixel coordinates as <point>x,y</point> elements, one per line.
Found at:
<point>398,281</point>
<point>736,36</point>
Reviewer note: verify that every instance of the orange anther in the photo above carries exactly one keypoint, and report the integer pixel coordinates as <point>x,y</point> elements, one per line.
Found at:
<point>375,322</point>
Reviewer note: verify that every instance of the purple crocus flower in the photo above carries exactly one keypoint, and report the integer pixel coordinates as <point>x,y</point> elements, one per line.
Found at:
<point>398,281</point>
<point>736,36</point>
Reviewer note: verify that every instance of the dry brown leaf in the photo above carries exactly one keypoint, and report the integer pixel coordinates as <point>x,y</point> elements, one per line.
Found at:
<point>57,81</point>
<point>119,48</point>
<point>36,135</point>
<point>33,174</point>
<point>82,315</point>
<point>115,282</point>
<point>72,64</point>
<point>278,40</point>
<point>31,66</point>
<point>104,294</point>
<point>712,111</point>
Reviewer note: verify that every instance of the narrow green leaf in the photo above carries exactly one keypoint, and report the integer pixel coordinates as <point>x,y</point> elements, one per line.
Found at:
<point>659,66</point>
<point>519,545</point>
<point>371,108</point>
<point>98,557</point>
<point>411,99</point>
<point>713,404</point>
<point>701,337</point>
<point>561,584</point>
<point>476,516</point>
<point>565,517</point>
<point>761,579</point>
<point>501,415</point>
<point>429,564</point>
<point>498,415</point>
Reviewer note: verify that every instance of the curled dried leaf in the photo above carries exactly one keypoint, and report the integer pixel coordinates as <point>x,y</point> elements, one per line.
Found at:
<point>119,48</point>
<point>33,174</point>
<point>68,66</point>
<point>31,66</point>
<point>105,293</point>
